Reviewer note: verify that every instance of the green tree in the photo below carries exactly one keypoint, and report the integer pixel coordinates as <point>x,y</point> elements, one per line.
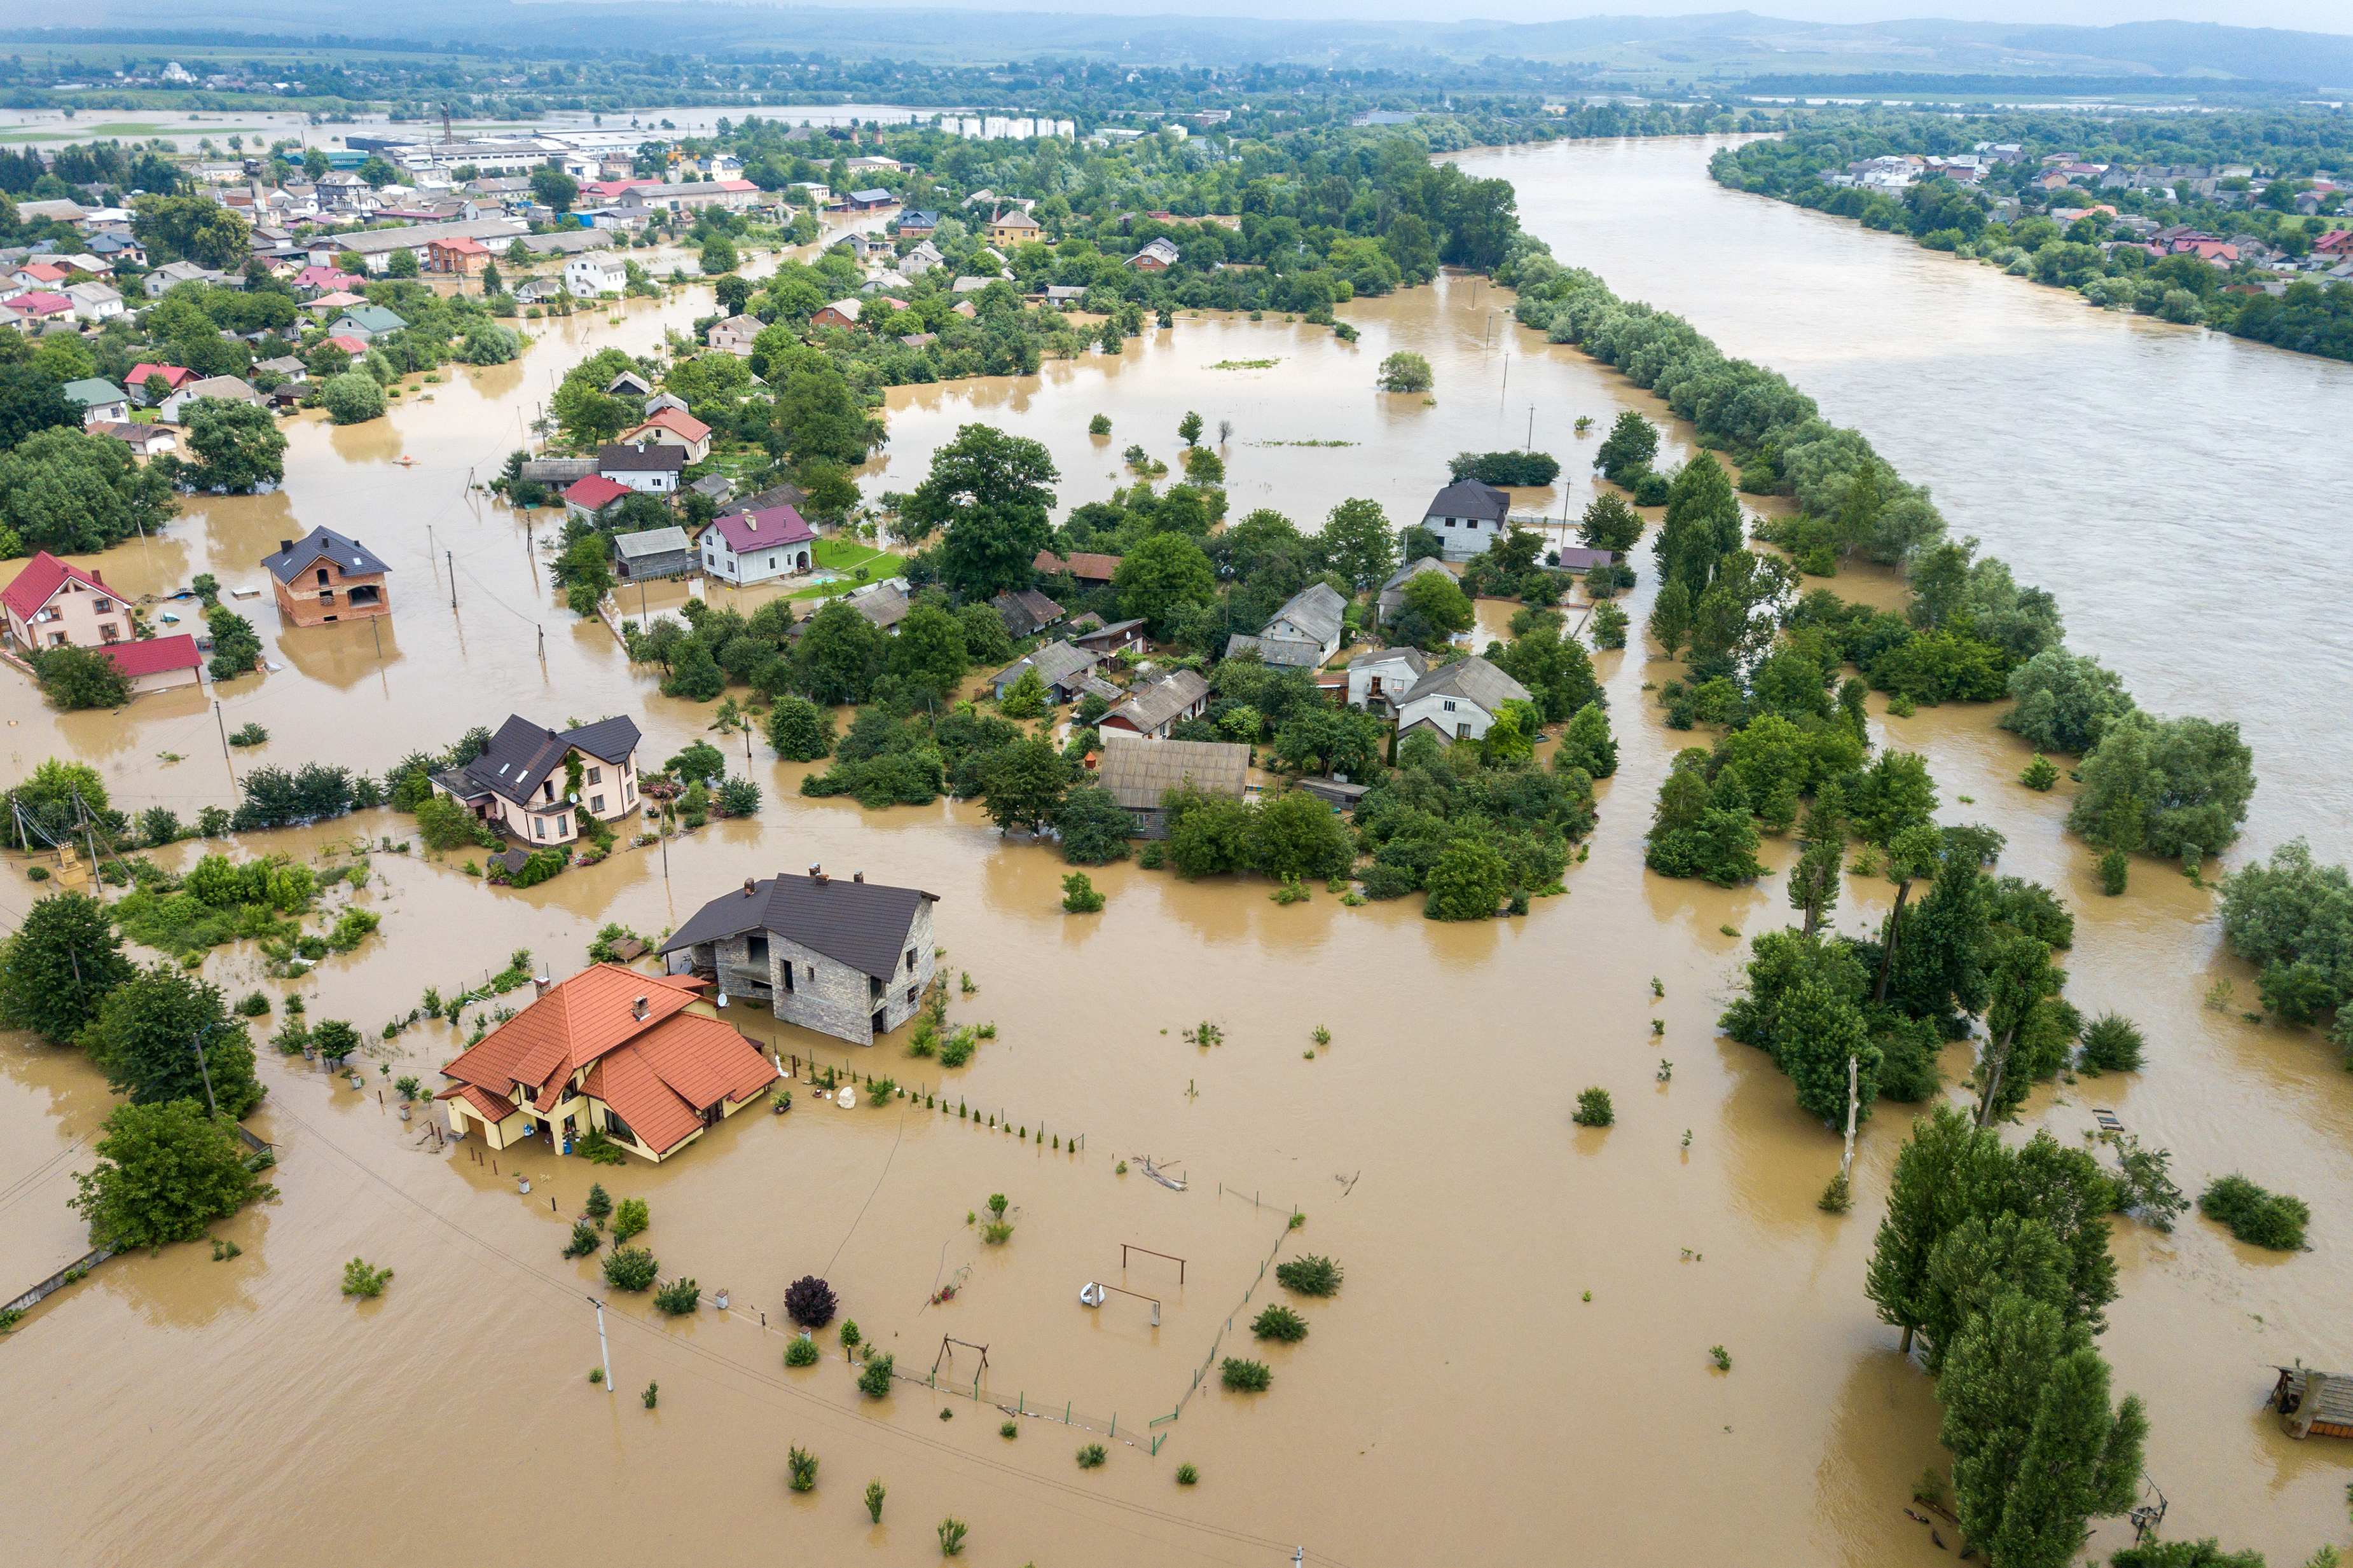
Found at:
<point>1296,834</point>
<point>1095,827</point>
<point>1626,452</point>
<point>1438,600</point>
<point>1609,523</point>
<point>1701,528</point>
<point>1671,617</point>
<point>444,823</point>
<point>928,653</point>
<point>986,642</point>
<point>1468,882</point>
<point>166,1171</point>
<point>351,398</point>
<point>71,493</point>
<point>2064,700</point>
<point>59,966</point>
<point>1028,697</point>
<point>696,676</point>
<point>238,446</point>
<point>30,400</point>
<point>191,228</point>
<point>991,492</point>
<point>1208,834</point>
<point>586,570</point>
<point>799,729</point>
<point>2167,785</point>
<point>840,654</point>
<point>402,263</point>
<point>1587,743</point>
<point>1358,544</point>
<point>1025,783</point>
<point>146,1037</point>
<point>1826,1031</point>
<point>1188,429</point>
<point>1404,371</point>
<point>1896,793</point>
<point>236,647</point>
<point>554,189</point>
<point>378,171</point>
<point>586,414</point>
<point>73,678</point>
<point>1162,576</point>
<point>1557,672</point>
<point>718,257</point>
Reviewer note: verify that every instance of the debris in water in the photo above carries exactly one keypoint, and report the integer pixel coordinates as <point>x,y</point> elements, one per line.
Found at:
<point>1175,1184</point>
<point>1937,1538</point>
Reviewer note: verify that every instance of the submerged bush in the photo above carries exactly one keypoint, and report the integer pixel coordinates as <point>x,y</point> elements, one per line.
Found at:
<point>1244,1376</point>
<point>2112,1043</point>
<point>1593,1109</point>
<point>1280,1323</point>
<point>2258,1217</point>
<point>679,1298</point>
<point>1310,1275</point>
<point>629,1268</point>
<point>801,1352</point>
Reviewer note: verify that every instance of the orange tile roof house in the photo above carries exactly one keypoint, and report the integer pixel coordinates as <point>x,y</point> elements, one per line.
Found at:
<point>521,783</point>
<point>642,1057</point>
<point>673,427</point>
<point>847,958</point>
<point>327,576</point>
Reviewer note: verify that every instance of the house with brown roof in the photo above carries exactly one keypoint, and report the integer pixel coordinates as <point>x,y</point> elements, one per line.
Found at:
<point>1140,774</point>
<point>1117,638</point>
<point>1089,571</point>
<point>1014,228</point>
<point>524,784</point>
<point>735,335</point>
<point>672,427</point>
<point>848,959</point>
<point>642,1058</point>
<point>327,576</point>
<point>1154,710</point>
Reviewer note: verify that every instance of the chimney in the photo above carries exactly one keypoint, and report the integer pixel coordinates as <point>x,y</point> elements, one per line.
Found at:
<point>858,876</point>
<point>748,885</point>
<point>817,874</point>
<point>284,545</point>
<point>541,983</point>
<point>638,1009</point>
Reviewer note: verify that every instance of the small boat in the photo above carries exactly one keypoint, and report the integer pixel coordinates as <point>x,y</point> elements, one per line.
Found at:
<point>1091,1294</point>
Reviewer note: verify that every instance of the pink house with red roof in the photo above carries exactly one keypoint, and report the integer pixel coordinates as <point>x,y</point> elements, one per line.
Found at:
<point>55,604</point>
<point>176,376</point>
<point>754,546</point>
<point>588,498</point>
<point>40,306</point>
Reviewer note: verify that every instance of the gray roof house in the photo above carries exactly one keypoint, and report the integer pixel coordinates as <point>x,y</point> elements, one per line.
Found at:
<point>1058,664</point>
<point>1154,710</point>
<point>1379,677</point>
<point>1392,594</point>
<point>1139,774</point>
<point>1467,517</point>
<point>1285,653</point>
<point>847,958</point>
<point>1458,701</point>
<point>886,603</point>
<point>521,785</point>
<point>1316,616</point>
<point>231,388</point>
<point>1026,613</point>
<point>654,553</point>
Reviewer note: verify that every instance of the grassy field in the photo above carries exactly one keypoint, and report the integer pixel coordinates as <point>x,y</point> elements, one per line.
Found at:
<point>846,556</point>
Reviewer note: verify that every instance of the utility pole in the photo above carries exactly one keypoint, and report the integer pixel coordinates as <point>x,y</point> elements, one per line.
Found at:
<point>602,1349</point>
<point>451,557</point>
<point>1846,1163</point>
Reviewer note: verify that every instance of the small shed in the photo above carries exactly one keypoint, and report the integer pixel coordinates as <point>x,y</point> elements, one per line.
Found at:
<point>1335,792</point>
<point>2314,1402</point>
<point>655,552</point>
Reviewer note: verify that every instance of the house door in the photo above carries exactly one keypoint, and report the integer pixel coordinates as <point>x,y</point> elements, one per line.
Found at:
<point>877,1023</point>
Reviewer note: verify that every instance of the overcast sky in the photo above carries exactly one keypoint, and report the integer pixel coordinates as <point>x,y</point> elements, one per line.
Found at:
<point>2304,16</point>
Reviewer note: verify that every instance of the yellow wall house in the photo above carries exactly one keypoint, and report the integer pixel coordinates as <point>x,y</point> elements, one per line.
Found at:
<point>644,1058</point>
<point>523,784</point>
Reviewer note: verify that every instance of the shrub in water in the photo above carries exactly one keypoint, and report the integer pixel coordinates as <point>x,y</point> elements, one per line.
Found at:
<point>1310,1275</point>
<point>1593,1109</point>
<point>1091,1456</point>
<point>1722,1357</point>
<point>1244,1376</point>
<point>629,1268</point>
<point>679,1298</point>
<point>2116,866</point>
<point>2112,1044</point>
<point>2262,1219</point>
<point>1009,1429</point>
<point>651,1395</point>
<point>874,1381</point>
<point>1186,1475</point>
<point>631,1218</point>
<point>1078,895</point>
<point>801,1352</point>
<point>803,1465</point>
<point>600,1203</point>
<point>1838,1197</point>
<point>951,1534</point>
<point>584,1239</point>
<point>2040,774</point>
<point>1280,1323</point>
<point>359,1280</point>
<point>874,1494</point>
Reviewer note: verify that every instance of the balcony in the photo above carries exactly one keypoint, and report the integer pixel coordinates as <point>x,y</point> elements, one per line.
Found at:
<point>739,981</point>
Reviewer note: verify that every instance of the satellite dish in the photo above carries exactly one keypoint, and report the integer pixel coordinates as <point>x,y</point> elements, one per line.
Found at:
<point>1091,1294</point>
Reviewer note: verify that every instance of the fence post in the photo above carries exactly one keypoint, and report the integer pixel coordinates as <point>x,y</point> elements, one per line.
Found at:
<point>1066,1412</point>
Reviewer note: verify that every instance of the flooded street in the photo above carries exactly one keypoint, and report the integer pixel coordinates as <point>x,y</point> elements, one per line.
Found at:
<point>1461,1388</point>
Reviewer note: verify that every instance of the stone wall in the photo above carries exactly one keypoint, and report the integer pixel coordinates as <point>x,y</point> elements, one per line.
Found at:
<point>829,996</point>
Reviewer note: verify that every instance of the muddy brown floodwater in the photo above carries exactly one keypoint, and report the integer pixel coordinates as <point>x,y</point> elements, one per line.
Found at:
<point>1460,1392</point>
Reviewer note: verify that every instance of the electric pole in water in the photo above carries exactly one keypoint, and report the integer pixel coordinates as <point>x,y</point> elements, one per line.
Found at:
<point>197,1040</point>
<point>602,1349</point>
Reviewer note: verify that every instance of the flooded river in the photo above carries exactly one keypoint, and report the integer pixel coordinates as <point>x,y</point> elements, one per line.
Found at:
<point>1459,1393</point>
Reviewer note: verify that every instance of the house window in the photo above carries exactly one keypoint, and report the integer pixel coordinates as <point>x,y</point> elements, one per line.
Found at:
<point>109,632</point>
<point>102,606</point>
<point>617,1127</point>
<point>911,961</point>
<point>596,775</point>
<point>562,825</point>
<point>912,993</point>
<point>597,803</point>
<point>538,828</point>
<point>1450,705</point>
<point>56,639</point>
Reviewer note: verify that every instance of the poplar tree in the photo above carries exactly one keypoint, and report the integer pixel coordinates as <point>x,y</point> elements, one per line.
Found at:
<point>57,969</point>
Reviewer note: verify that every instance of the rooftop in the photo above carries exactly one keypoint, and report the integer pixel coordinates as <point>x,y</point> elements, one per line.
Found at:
<point>1138,772</point>
<point>293,557</point>
<point>861,925</point>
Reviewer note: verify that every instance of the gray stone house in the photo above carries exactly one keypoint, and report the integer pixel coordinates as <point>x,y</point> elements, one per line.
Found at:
<point>848,959</point>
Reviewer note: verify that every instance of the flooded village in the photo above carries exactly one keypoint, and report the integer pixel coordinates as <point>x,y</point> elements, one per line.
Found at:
<point>1055,1166</point>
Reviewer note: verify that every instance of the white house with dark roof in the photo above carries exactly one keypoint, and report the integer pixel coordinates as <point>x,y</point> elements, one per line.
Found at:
<point>652,467</point>
<point>521,783</point>
<point>1392,593</point>
<point>847,957</point>
<point>1379,677</point>
<point>1468,517</point>
<point>1458,701</point>
<point>1306,631</point>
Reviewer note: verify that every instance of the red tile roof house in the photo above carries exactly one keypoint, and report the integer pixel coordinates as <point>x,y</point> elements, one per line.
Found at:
<point>462,257</point>
<point>53,603</point>
<point>673,427</point>
<point>588,498</point>
<point>41,307</point>
<point>752,546</point>
<point>642,1058</point>
<point>176,376</point>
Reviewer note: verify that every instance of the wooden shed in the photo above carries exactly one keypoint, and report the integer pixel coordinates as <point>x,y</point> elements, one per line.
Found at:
<point>2313,1402</point>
